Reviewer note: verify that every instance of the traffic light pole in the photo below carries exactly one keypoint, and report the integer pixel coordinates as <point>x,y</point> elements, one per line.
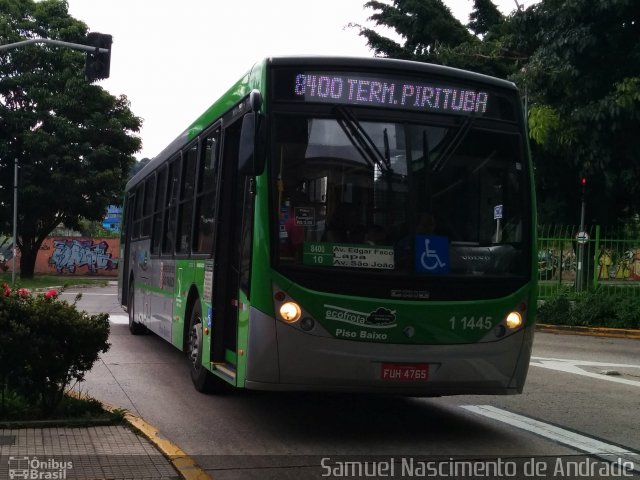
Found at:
<point>33,41</point>
<point>580,274</point>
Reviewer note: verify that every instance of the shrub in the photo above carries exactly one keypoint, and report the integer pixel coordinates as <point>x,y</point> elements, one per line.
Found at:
<point>46,344</point>
<point>627,312</point>
<point>595,309</point>
<point>556,310</point>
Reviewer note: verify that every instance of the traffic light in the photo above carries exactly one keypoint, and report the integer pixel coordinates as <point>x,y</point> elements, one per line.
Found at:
<point>98,63</point>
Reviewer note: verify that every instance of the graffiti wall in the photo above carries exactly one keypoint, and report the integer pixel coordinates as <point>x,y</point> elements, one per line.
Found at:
<point>78,256</point>
<point>611,264</point>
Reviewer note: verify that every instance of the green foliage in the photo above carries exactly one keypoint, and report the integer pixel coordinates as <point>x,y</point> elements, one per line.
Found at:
<point>543,123</point>
<point>94,229</point>
<point>73,140</point>
<point>424,25</point>
<point>584,65</point>
<point>46,344</point>
<point>71,411</point>
<point>431,33</point>
<point>555,311</point>
<point>484,17</point>
<point>593,309</point>
<point>137,166</point>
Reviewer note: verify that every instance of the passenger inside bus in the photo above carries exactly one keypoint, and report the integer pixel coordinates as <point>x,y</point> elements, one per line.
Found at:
<point>300,216</point>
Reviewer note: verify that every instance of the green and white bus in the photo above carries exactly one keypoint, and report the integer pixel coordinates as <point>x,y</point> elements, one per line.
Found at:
<point>341,224</point>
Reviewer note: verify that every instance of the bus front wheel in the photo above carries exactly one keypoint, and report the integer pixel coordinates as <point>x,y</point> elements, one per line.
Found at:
<point>203,380</point>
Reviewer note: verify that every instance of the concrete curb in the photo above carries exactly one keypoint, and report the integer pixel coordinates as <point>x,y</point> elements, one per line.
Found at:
<point>590,331</point>
<point>182,462</point>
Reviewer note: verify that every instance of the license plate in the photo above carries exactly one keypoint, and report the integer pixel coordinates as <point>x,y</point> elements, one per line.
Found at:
<point>404,372</point>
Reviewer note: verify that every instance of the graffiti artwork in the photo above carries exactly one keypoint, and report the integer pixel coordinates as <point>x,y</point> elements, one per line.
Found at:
<point>550,265</point>
<point>70,255</point>
<point>613,265</point>
<point>6,252</point>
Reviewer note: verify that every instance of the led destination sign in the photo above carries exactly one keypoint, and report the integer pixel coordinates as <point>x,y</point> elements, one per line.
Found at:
<point>391,92</point>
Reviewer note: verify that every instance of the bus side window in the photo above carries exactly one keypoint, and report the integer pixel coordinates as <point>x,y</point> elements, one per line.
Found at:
<point>137,212</point>
<point>156,235</point>
<point>147,208</point>
<point>185,209</point>
<point>168,240</point>
<point>206,193</point>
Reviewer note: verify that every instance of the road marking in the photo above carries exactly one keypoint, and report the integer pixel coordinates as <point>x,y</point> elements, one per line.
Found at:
<point>119,319</point>
<point>603,450</point>
<point>574,366</point>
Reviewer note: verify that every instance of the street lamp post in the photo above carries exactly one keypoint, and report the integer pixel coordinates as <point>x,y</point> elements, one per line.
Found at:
<point>15,220</point>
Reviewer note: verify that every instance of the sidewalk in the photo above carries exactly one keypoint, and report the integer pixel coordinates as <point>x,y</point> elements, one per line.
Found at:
<point>101,452</point>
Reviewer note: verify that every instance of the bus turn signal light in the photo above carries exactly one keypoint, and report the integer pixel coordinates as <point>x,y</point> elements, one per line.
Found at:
<point>514,320</point>
<point>290,312</point>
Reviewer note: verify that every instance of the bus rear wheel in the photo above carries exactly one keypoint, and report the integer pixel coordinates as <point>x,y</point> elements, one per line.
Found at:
<point>203,380</point>
<point>135,328</point>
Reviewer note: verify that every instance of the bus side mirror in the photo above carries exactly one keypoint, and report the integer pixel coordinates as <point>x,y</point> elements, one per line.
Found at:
<point>251,151</point>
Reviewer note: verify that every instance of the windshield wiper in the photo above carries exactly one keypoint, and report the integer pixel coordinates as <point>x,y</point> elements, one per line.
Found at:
<point>362,141</point>
<point>451,147</point>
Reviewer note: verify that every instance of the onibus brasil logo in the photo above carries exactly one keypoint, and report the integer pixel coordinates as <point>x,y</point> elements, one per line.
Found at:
<point>32,468</point>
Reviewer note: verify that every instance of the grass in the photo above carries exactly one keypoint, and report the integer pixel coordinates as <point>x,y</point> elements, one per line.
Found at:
<point>71,411</point>
<point>45,281</point>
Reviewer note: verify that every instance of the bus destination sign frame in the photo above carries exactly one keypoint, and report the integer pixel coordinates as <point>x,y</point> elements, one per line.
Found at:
<point>388,92</point>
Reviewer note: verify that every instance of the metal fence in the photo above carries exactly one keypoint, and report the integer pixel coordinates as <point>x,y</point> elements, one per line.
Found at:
<point>606,260</point>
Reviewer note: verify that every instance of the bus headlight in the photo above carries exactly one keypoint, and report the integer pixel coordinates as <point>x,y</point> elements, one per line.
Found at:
<point>514,320</point>
<point>290,312</point>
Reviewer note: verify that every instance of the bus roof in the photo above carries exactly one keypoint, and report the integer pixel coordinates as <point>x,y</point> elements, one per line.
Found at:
<point>391,65</point>
<point>257,74</point>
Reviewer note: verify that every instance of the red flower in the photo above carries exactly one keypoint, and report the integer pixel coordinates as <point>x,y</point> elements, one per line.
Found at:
<point>51,294</point>
<point>23,293</point>
<point>7,290</point>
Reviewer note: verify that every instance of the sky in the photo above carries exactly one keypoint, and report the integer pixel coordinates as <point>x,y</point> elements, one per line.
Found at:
<point>173,59</point>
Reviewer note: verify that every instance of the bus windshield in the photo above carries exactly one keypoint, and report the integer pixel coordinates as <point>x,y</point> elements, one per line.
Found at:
<point>387,197</point>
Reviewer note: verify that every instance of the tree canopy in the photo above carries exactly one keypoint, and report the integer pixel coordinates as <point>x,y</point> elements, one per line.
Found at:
<point>577,62</point>
<point>74,142</point>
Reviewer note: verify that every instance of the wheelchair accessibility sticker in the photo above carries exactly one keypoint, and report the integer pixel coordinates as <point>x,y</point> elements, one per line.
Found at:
<point>432,254</point>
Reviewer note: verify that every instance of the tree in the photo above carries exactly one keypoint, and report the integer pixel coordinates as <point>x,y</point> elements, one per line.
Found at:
<point>583,79</point>
<point>426,26</point>
<point>94,229</point>
<point>432,34</point>
<point>73,140</point>
<point>484,17</point>
<point>137,166</point>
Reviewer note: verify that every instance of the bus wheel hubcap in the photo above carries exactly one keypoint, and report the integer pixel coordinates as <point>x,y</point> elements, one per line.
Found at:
<point>194,344</point>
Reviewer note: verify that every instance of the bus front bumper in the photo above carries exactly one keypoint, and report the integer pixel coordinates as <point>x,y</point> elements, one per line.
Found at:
<point>283,358</point>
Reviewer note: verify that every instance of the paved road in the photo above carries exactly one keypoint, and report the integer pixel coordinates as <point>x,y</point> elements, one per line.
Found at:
<point>582,396</point>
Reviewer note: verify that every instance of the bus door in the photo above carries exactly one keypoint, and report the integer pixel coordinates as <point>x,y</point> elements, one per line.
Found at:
<point>125,249</point>
<point>227,251</point>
